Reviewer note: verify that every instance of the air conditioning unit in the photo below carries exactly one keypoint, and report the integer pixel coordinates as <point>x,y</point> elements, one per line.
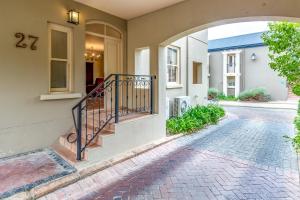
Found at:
<point>181,104</point>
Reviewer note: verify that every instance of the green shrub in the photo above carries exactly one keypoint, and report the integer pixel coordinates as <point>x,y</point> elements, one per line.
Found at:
<point>299,107</point>
<point>213,93</point>
<point>223,97</point>
<point>297,123</point>
<point>256,94</point>
<point>296,90</point>
<point>195,119</point>
<point>296,139</point>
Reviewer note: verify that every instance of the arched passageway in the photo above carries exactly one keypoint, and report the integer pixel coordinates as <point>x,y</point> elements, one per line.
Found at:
<point>160,28</point>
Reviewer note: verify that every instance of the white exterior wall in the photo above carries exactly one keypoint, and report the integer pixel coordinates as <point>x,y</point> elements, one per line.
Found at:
<point>198,53</point>
<point>253,73</point>
<point>257,73</point>
<point>193,48</point>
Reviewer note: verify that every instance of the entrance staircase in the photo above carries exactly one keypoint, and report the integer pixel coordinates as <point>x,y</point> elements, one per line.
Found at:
<point>119,98</point>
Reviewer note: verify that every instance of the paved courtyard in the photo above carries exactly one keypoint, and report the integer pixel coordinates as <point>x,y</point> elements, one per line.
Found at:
<point>244,157</point>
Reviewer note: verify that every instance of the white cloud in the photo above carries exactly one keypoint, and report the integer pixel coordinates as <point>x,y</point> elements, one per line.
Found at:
<point>235,29</point>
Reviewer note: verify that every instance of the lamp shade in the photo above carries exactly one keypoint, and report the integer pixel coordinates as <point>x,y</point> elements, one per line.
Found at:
<point>253,56</point>
<point>73,17</point>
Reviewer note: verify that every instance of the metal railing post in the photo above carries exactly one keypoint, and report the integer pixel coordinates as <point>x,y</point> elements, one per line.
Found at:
<point>79,129</point>
<point>117,98</point>
<point>151,95</point>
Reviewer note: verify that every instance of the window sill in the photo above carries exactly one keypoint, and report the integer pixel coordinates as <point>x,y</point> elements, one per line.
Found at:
<point>174,86</point>
<point>57,96</point>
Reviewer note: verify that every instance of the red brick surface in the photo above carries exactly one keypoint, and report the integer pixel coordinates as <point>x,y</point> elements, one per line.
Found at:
<point>212,165</point>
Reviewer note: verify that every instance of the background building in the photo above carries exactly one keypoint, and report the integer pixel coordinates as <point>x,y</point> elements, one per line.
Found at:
<point>240,63</point>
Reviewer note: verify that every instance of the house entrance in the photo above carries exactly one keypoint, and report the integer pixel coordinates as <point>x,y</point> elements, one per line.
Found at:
<point>103,54</point>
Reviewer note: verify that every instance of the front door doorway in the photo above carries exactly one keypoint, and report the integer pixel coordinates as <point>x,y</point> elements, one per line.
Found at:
<point>103,56</point>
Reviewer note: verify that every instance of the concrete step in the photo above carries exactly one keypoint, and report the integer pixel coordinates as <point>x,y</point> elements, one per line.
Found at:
<point>102,140</point>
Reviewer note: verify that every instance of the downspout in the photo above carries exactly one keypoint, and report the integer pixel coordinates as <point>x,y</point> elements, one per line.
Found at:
<point>187,65</point>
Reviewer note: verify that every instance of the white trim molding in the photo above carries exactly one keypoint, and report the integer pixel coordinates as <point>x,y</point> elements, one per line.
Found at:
<point>57,96</point>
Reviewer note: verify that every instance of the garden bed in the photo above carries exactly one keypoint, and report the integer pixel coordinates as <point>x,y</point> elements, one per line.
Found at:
<point>195,119</point>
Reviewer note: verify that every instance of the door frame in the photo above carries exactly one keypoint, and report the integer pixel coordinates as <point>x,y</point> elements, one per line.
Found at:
<point>120,68</point>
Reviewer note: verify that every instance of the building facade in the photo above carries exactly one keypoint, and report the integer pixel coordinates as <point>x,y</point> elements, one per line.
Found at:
<point>187,70</point>
<point>40,83</point>
<point>49,64</point>
<point>240,63</point>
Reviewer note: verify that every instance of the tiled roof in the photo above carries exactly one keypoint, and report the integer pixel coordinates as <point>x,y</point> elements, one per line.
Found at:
<point>236,42</point>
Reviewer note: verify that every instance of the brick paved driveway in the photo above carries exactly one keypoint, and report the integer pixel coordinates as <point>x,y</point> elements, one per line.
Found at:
<point>244,157</point>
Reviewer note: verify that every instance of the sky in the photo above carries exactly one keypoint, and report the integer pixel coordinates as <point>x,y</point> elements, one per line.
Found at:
<point>235,29</point>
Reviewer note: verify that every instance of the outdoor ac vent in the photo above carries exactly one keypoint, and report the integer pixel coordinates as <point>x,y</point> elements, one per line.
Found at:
<point>181,104</point>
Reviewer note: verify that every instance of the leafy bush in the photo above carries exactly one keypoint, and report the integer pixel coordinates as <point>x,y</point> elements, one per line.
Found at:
<point>296,139</point>
<point>223,97</point>
<point>256,94</point>
<point>195,119</point>
<point>213,93</point>
<point>297,123</point>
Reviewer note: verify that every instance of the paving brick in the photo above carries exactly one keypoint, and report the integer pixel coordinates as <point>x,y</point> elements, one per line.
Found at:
<point>244,158</point>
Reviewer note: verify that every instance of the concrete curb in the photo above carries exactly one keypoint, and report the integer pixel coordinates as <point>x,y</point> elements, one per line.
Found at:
<point>259,106</point>
<point>56,184</point>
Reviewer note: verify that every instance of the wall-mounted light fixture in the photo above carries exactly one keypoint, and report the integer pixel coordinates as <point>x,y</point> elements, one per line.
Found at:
<point>73,17</point>
<point>253,57</point>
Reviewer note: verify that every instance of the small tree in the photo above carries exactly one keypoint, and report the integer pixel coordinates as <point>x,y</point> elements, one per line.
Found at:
<point>283,40</point>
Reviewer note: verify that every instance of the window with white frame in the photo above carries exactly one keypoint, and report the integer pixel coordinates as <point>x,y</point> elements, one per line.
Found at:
<point>231,63</point>
<point>173,65</point>
<point>60,58</point>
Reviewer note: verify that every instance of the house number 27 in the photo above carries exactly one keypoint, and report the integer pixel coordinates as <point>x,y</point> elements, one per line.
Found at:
<point>22,44</point>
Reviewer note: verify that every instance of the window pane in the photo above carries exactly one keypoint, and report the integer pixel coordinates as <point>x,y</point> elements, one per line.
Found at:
<point>112,32</point>
<point>95,28</point>
<point>231,64</point>
<point>172,72</point>
<point>58,74</point>
<point>231,81</point>
<point>59,44</point>
<point>172,56</point>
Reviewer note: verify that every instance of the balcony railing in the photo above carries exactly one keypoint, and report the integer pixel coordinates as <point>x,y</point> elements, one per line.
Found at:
<point>119,95</point>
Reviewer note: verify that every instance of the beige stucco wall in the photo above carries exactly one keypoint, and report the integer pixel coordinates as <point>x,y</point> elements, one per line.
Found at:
<point>253,73</point>
<point>26,123</point>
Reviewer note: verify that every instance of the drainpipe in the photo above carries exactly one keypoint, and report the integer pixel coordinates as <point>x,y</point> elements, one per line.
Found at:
<point>187,65</point>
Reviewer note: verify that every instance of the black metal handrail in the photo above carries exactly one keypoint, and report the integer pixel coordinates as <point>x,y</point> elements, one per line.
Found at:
<point>117,96</point>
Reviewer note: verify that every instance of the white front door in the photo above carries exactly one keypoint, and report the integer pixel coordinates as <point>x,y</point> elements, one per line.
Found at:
<point>112,56</point>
